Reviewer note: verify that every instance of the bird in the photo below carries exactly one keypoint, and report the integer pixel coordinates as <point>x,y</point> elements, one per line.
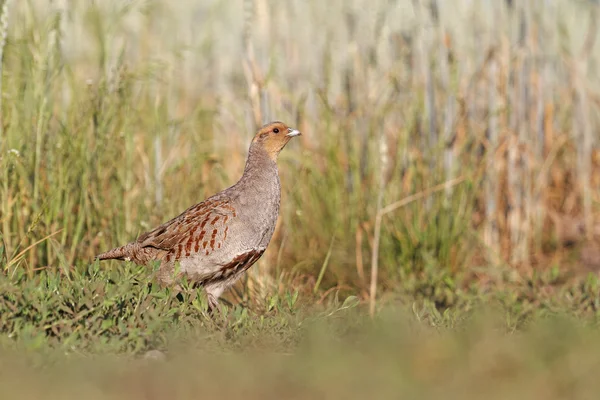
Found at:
<point>214,242</point>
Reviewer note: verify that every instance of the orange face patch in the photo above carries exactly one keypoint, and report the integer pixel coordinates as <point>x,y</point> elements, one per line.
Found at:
<point>272,137</point>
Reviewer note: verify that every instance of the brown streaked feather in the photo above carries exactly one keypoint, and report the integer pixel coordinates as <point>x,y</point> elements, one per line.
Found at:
<point>133,252</point>
<point>202,227</point>
<point>238,265</point>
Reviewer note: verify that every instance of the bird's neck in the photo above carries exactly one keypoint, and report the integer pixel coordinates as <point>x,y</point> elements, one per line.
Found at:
<point>260,166</point>
<point>259,185</point>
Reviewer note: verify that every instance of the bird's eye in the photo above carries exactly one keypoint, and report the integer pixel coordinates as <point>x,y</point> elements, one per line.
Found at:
<point>276,130</point>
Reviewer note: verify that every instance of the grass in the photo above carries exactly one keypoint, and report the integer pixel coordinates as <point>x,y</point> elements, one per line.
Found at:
<point>342,354</point>
<point>438,233</point>
<point>86,333</point>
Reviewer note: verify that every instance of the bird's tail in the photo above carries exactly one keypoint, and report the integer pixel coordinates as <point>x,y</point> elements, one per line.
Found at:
<point>118,253</point>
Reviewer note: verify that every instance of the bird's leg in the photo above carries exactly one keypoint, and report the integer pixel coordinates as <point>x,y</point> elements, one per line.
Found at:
<point>213,303</point>
<point>212,295</point>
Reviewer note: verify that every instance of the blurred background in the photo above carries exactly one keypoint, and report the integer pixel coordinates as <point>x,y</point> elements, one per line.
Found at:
<point>449,169</point>
<point>448,144</point>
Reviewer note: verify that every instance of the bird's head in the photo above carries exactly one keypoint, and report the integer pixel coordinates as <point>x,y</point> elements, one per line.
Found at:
<point>273,137</point>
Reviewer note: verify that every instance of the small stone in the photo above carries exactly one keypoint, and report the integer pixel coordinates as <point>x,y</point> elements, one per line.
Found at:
<point>155,355</point>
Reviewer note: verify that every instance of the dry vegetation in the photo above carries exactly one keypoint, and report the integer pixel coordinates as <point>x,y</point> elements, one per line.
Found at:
<point>449,158</point>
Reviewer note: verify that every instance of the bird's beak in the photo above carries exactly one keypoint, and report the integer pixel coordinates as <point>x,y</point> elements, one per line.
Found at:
<point>293,132</point>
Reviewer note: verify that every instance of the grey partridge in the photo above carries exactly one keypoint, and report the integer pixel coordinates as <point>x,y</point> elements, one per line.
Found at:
<point>214,242</point>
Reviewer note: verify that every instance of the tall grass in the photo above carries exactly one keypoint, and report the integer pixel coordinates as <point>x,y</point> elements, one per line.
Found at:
<point>116,116</point>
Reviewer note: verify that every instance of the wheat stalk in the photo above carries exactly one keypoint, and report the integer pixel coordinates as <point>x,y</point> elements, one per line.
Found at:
<point>3,35</point>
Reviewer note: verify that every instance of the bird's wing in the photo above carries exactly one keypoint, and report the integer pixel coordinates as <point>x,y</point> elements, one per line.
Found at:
<point>200,229</point>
